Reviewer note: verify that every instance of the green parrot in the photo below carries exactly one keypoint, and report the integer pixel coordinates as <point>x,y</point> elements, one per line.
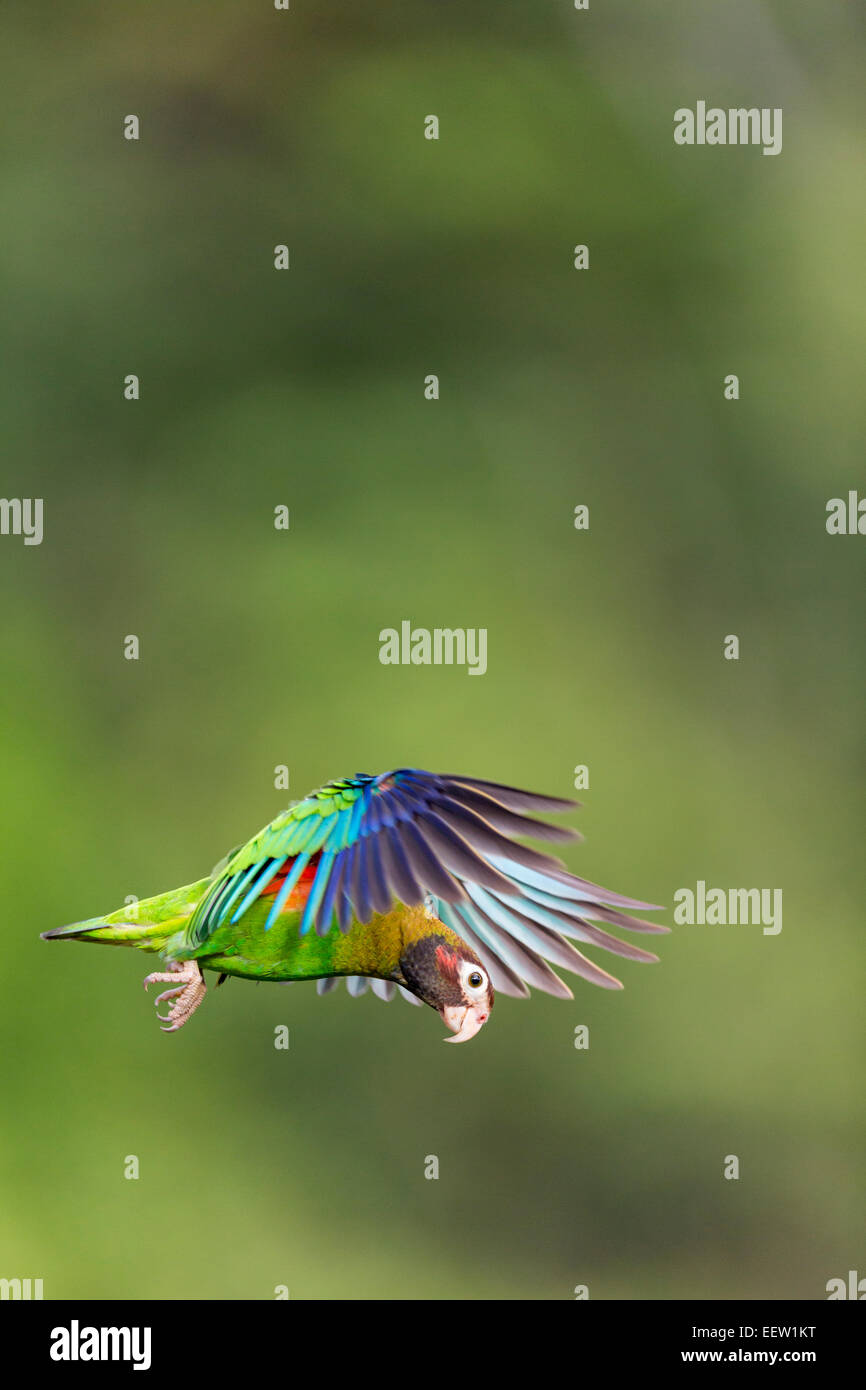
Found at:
<point>410,881</point>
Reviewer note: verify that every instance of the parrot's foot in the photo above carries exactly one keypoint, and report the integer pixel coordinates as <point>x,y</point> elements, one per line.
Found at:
<point>188,993</point>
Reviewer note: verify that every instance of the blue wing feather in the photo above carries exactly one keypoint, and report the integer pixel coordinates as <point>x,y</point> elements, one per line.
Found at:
<point>315,894</point>
<point>286,887</point>
<point>261,882</point>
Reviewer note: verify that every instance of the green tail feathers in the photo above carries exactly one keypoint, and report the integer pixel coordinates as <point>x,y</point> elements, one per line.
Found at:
<point>150,937</point>
<point>148,924</point>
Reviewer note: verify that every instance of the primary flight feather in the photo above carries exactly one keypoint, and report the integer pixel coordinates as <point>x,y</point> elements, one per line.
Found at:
<point>409,880</point>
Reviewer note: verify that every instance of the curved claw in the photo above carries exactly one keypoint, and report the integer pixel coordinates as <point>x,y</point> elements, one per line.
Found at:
<point>187,992</point>
<point>168,994</point>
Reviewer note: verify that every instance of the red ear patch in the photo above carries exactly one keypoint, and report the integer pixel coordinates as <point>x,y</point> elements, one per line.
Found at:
<point>448,962</point>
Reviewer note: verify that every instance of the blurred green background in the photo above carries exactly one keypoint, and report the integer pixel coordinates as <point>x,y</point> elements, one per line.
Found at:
<point>258,647</point>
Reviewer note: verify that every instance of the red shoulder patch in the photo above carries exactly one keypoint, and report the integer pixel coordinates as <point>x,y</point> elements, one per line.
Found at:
<point>301,890</point>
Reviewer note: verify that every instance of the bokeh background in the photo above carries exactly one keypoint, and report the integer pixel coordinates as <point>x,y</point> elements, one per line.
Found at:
<point>260,647</point>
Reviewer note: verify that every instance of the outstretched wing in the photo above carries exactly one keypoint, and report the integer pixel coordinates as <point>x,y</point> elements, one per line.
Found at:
<point>363,842</point>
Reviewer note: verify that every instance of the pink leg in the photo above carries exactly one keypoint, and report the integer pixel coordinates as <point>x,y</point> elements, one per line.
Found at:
<point>188,993</point>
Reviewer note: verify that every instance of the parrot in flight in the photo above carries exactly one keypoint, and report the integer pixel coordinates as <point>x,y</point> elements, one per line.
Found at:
<point>409,881</point>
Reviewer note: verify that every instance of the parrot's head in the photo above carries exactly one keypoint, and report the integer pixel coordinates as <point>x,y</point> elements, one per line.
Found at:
<point>442,971</point>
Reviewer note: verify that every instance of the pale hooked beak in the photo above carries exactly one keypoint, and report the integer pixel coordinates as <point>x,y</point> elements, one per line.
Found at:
<point>464,1020</point>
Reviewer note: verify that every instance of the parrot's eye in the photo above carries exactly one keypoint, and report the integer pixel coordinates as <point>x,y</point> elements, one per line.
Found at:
<point>473,978</point>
